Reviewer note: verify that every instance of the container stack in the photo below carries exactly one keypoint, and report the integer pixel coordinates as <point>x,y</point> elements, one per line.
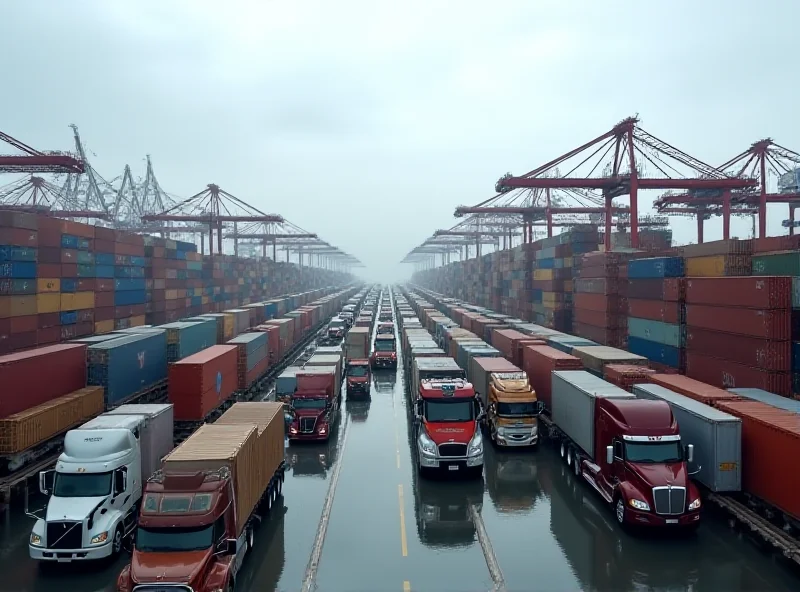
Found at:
<point>655,310</point>
<point>19,326</point>
<point>516,291</point>
<point>738,332</point>
<point>252,357</point>
<point>599,309</point>
<point>130,294</point>
<point>723,258</point>
<point>626,375</point>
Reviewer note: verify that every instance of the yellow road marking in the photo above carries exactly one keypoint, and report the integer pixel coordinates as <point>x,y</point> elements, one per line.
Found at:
<point>403,541</point>
<point>406,586</point>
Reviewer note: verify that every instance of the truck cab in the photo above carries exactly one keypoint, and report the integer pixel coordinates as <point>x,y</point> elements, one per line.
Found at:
<point>512,412</point>
<point>97,483</point>
<point>336,329</point>
<point>358,377</point>
<point>186,538</point>
<point>385,329</point>
<point>313,406</point>
<point>385,315</point>
<point>446,423</point>
<point>384,352</point>
<point>642,470</point>
<point>348,317</point>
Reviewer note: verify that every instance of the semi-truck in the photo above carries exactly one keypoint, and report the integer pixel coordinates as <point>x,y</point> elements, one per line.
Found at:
<point>314,406</point>
<point>356,345</point>
<point>337,328</point>
<point>629,450</point>
<point>510,405</point>
<point>95,489</point>
<point>384,352</point>
<point>200,511</point>
<point>357,375</point>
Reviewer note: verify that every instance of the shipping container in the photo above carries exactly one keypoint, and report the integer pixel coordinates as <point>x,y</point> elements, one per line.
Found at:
<point>655,267</point>
<point>480,371</point>
<point>202,382</point>
<point>595,357</point>
<point>770,436</point>
<point>155,436</point>
<point>626,375</point>
<point>235,447</point>
<point>749,292</point>
<point>716,436</point>
<point>657,331</point>
<point>539,362</point>
<point>187,338</point>
<point>768,354</point>
<point>763,396</point>
<point>694,389</point>
<point>24,383</point>
<point>769,324</point>
<point>574,393</point>
<point>727,374</point>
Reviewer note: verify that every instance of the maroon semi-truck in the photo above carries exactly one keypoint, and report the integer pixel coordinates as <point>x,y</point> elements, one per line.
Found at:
<point>313,406</point>
<point>629,450</point>
<point>384,352</point>
<point>358,377</point>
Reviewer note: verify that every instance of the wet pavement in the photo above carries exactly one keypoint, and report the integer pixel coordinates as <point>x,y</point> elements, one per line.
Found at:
<point>388,530</point>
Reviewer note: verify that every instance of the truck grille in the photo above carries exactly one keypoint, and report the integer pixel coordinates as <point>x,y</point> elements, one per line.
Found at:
<point>452,450</point>
<point>64,535</point>
<point>669,500</point>
<point>163,588</point>
<point>307,424</point>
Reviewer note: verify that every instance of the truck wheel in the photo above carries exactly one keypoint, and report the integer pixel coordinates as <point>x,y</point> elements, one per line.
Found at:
<point>563,451</point>
<point>279,487</point>
<point>569,456</point>
<point>251,539</point>
<point>116,543</point>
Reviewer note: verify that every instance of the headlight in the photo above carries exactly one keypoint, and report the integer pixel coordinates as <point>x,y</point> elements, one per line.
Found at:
<point>501,431</point>
<point>534,429</point>
<point>695,504</point>
<point>36,539</point>
<point>476,444</point>
<point>323,429</point>
<point>639,505</point>
<point>100,538</point>
<point>292,430</point>
<point>426,444</point>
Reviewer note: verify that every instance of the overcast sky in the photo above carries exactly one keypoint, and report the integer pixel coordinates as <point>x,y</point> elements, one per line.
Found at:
<point>368,122</point>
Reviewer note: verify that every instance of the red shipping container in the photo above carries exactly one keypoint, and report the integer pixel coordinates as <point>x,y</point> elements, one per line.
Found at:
<point>626,375</point>
<point>770,324</point>
<point>670,289</point>
<point>764,292</point>
<point>596,302</point>
<point>768,354</point>
<point>255,373</point>
<point>19,237</point>
<point>728,374</point>
<point>605,336</point>
<point>770,438</point>
<point>539,361</point>
<point>203,381</point>
<point>506,341</point>
<point>25,385</point>
<point>655,310</point>
<point>610,320</point>
<point>694,389</point>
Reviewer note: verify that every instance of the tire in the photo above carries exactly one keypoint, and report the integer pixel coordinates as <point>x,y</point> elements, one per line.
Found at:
<point>563,451</point>
<point>251,539</point>
<point>116,542</point>
<point>279,486</point>
<point>570,457</point>
<point>619,511</point>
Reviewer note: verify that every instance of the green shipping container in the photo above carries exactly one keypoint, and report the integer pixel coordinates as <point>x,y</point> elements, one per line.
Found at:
<point>783,263</point>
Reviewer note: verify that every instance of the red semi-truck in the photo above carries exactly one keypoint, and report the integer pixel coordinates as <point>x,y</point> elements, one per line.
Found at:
<point>358,377</point>
<point>313,406</point>
<point>627,449</point>
<point>199,512</point>
<point>384,352</point>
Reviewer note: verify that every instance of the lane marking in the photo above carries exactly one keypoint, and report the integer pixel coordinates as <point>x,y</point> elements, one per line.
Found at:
<point>403,540</point>
<point>406,586</point>
<point>488,551</point>
<point>309,580</point>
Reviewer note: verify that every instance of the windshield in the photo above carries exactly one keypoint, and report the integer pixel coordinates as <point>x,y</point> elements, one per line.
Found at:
<point>82,484</point>
<point>309,403</point>
<point>653,452</point>
<point>449,410</point>
<point>337,325</point>
<point>357,371</point>
<point>516,409</point>
<point>160,540</point>
<point>384,345</point>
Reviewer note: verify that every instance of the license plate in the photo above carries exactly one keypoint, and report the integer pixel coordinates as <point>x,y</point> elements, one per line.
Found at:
<point>452,468</point>
<point>672,520</point>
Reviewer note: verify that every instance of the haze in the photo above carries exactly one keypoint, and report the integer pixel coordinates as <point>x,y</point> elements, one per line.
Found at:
<point>368,124</point>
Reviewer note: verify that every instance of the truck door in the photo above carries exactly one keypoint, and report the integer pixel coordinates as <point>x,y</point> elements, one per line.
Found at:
<point>617,469</point>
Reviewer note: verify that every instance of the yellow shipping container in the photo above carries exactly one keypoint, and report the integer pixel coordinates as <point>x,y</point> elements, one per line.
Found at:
<point>68,302</point>
<point>544,274</point>
<point>47,303</point>
<point>229,327</point>
<point>104,326</point>
<point>137,321</point>
<point>712,266</point>
<point>48,285</point>
<point>17,306</point>
<point>84,300</point>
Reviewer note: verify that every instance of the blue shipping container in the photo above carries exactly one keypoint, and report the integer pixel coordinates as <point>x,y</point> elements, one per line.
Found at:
<point>657,352</point>
<point>11,253</point>
<point>128,365</point>
<point>69,317</point>
<point>18,269</point>
<point>69,285</point>
<point>69,241</point>
<point>565,343</point>
<point>655,267</point>
<point>126,284</point>
<point>104,258</point>
<point>104,271</point>
<point>186,338</point>
<point>658,331</point>
<point>17,287</point>
<point>129,297</point>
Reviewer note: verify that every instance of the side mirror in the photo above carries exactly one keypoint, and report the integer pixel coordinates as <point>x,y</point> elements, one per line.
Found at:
<point>539,407</point>
<point>418,408</point>
<point>46,480</point>
<point>609,455</point>
<point>228,548</point>
<point>689,452</point>
<point>120,482</point>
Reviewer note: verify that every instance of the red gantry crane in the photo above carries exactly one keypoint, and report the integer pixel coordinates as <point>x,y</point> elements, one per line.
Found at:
<point>626,155</point>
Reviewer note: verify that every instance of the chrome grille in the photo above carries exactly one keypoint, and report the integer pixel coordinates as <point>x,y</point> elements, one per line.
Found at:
<point>64,535</point>
<point>307,424</point>
<point>669,500</point>
<point>452,450</point>
<point>163,588</point>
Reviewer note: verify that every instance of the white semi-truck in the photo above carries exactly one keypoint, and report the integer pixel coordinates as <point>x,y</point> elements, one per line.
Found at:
<point>95,489</point>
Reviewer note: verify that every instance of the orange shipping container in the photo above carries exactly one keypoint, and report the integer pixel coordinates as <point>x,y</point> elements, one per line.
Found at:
<point>213,447</point>
<point>694,389</point>
<point>539,362</point>
<point>770,437</point>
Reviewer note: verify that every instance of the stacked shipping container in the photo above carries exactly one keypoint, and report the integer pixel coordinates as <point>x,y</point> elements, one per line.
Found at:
<point>600,307</point>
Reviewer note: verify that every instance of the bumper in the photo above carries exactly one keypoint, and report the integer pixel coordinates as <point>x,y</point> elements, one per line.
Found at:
<point>309,437</point>
<point>639,518</point>
<point>357,387</point>
<point>450,464</point>
<point>384,363</point>
<point>68,555</point>
<point>510,441</point>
